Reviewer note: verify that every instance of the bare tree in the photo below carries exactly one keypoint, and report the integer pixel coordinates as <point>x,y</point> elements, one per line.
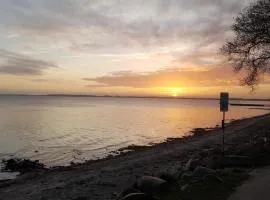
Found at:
<point>249,50</point>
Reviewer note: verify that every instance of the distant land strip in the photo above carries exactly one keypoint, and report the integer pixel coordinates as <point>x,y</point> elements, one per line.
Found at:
<point>122,96</point>
<point>250,105</point>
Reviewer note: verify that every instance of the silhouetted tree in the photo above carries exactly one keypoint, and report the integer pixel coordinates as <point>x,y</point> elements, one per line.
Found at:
<point>250,48</point>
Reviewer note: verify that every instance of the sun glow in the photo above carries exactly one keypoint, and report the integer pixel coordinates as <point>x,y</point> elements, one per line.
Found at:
<point>175,92</point>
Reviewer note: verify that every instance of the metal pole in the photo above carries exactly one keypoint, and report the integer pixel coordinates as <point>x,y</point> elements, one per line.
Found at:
<point>223,133</point>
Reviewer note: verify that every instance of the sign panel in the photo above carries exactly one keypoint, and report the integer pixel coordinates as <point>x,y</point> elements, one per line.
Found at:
<point>224,101</point>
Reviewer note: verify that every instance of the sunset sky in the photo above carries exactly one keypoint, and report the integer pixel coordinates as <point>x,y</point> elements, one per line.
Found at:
<point>119,47</point>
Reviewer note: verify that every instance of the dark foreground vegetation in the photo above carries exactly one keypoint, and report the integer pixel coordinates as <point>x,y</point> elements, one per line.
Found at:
<point>208,174</point>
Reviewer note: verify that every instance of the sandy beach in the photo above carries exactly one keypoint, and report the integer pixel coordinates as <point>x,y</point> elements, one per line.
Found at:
<point>106,178</point>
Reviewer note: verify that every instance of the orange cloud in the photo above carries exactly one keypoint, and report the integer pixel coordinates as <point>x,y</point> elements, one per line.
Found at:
<point>172,77</point>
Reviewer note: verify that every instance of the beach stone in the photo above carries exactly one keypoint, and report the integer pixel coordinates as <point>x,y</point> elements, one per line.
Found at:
<point>150,184</point>
<point>239,170</point>
<point>210,162</point>
<point>179,174</point>
<point>201,172</point>
<point>217,162</point>
<point>237,161</point>
<point>186,176</point>
<point>261,140</point>
<point>127,191</point>
<point>267,147</point>
<point>22,165</point>
<point>212,179</point>
<point>137,196</point>
<point>206,152</point>
<point>192,164</point>
<point>81,198</point>
<point>167,176</point>
<point>198,131</point>
<point>216,151</point>
<point>184,187</point>
<point>227,171</point>
<point>248,149</point>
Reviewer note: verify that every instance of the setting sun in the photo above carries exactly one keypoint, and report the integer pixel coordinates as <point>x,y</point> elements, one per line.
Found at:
<point>175,92</point>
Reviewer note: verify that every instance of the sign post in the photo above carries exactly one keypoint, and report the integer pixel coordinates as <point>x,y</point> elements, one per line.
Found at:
<point>224,107</point>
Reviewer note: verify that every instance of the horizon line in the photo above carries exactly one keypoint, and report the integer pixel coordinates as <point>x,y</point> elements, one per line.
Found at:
<point>136,96</point>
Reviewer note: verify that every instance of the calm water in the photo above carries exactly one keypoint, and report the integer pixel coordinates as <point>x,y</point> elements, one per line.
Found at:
<point>57,130</point>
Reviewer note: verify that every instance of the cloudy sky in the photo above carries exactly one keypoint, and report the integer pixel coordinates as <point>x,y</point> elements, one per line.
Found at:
<point>118,47</point>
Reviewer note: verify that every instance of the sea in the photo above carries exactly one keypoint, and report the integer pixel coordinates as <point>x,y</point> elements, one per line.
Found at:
<point>57,130</point>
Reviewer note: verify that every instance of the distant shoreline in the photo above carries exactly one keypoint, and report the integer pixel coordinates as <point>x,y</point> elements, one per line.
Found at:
<point>139,97</point>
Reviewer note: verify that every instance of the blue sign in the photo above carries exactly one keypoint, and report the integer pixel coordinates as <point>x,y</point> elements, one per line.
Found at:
<point>224,101</point>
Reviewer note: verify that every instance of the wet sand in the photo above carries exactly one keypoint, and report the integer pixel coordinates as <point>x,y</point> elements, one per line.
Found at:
<point>104,179</point>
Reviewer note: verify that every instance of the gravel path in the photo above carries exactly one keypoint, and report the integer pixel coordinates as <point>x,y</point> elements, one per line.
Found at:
<point>258,187</point>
